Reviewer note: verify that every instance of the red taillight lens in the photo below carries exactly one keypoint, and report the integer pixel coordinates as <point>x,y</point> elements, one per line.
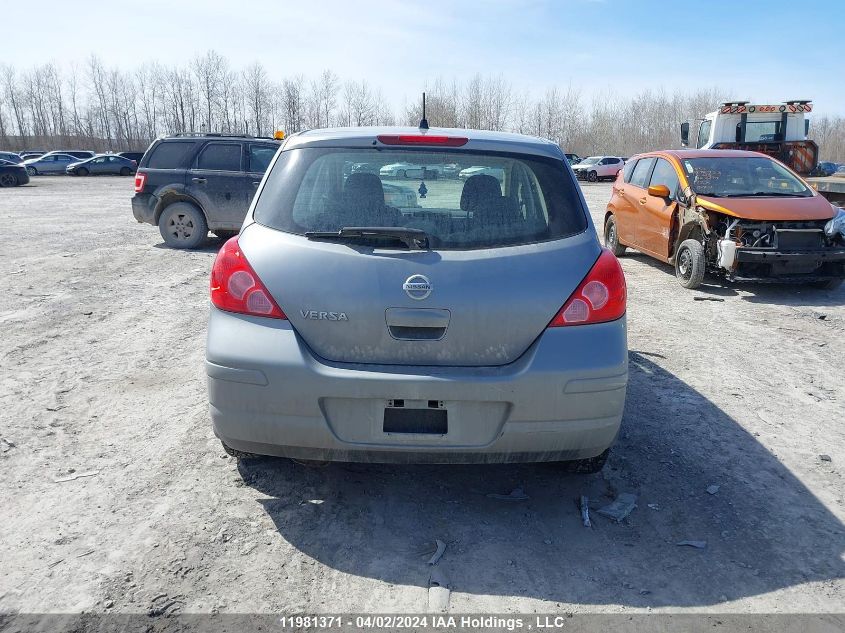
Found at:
<point>140,181</point>
<point>601,296</point>
<point>236,288</point>
<point>422,139</point>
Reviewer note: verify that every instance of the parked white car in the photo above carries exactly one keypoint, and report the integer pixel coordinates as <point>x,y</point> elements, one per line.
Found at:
<point>409,170</point>
<point>469,172</point>
<point>598,167</point>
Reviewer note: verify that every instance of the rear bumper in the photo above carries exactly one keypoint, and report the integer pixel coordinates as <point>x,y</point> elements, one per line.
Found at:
<point>787,266</point>
<point>143,207</point>
<point>563,399</point>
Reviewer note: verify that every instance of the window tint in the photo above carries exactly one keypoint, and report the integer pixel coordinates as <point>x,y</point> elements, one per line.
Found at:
<point>629,169</point>
<point>220,157</point>
<point>665,174</point>
<point>260,157</point>
<point>497,199</point>
<point>641,171</point>
<point>704,133</point>
<point>170,154</point>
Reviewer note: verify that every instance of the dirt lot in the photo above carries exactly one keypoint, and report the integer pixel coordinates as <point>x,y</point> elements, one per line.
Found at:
<point>101,377</point>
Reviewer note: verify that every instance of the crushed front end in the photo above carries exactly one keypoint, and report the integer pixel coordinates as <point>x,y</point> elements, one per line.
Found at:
<point>778,251</point>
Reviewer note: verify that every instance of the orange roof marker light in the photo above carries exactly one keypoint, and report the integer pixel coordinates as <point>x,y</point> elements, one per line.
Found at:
<point>279,135</point>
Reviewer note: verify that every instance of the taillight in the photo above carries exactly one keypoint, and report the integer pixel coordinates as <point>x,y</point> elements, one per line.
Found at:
<point>422,139</point>
<point>601,296</point>
<point>236,288</point>
<point>140,181</point>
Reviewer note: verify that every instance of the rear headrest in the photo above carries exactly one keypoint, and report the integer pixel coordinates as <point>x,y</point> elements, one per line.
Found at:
<point>363,190</point>
<point>480,190</point>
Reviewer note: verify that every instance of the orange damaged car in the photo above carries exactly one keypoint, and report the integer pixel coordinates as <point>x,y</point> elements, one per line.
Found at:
<point>737,214</point>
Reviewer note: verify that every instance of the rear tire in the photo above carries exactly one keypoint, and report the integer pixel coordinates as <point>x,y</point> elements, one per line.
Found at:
<point>592,176</point>
<point>830,284</point>
<point>690,264</point>
<point>8,180</point>
<point>233,452</point>
<point>125,171</point>
<point>588,466</point>
<point>182,225</point>
<point>611,237</point>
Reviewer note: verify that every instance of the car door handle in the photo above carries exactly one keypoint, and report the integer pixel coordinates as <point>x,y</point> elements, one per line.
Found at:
<point>642,200</point>
<point>199,181</point>
<point>255,183</point>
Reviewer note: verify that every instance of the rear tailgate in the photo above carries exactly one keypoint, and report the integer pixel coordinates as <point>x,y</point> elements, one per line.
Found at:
<point>485,307</point>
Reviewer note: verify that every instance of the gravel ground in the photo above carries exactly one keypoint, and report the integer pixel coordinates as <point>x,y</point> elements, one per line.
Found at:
<point>101,378</point>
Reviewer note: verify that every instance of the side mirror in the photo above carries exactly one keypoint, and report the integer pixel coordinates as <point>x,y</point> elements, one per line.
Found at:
<point>659,191</point>
<point>685,133</point>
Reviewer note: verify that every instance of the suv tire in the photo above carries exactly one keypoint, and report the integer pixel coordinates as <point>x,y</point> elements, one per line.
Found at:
<point>182,225</point>
<point>592,176</point>
<point>81,172</point>
<point>8,180</point>
<point>690,264</point>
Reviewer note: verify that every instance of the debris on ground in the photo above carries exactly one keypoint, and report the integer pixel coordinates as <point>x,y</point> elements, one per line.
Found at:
<point>517,494</point>
<point>825,458</point>
<point>695,544</point>
<point>620,507</point>
<point>6,445</point>
<point>441,547</point>
<point>72,476</point>
<point>713,489</point>
<point>585,511</point>
<point>438,591</point>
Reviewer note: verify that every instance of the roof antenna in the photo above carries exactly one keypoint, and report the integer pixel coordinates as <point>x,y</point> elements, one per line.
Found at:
<point>423,121</point>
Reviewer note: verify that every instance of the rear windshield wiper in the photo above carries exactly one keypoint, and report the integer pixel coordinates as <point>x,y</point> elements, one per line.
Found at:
<point>412,238</point>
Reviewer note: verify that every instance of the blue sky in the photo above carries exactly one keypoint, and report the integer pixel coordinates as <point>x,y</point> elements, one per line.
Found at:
<point>765,51</point>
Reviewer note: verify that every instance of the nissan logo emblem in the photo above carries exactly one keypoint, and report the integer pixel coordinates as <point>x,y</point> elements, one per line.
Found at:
<point>417,287</point>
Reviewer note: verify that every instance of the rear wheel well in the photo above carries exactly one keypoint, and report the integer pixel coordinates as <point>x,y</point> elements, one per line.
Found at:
<point>168,198</point>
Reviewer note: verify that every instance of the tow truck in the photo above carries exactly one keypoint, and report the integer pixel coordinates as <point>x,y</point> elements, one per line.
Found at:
<point>778,130</point>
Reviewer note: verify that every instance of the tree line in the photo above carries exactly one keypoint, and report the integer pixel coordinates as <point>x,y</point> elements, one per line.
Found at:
<point>97,107</point>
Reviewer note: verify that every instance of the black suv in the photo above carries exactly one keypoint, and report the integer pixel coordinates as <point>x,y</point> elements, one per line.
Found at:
<point>188,184</point>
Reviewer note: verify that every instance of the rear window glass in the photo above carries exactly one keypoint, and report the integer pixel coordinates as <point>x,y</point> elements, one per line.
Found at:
<point>169,155</point>
<point>462,200</point>
<point>260,157</point>
<point>220,157</point>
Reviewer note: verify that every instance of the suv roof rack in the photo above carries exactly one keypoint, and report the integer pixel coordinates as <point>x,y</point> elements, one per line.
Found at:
<point>186,134</point>
<point>217,135</point>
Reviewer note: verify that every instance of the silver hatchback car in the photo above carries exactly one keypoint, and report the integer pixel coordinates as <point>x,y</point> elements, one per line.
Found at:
<point>482,322</point>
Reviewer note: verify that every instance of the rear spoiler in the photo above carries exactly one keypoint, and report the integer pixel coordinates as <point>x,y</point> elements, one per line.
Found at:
<point>800,156</point>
